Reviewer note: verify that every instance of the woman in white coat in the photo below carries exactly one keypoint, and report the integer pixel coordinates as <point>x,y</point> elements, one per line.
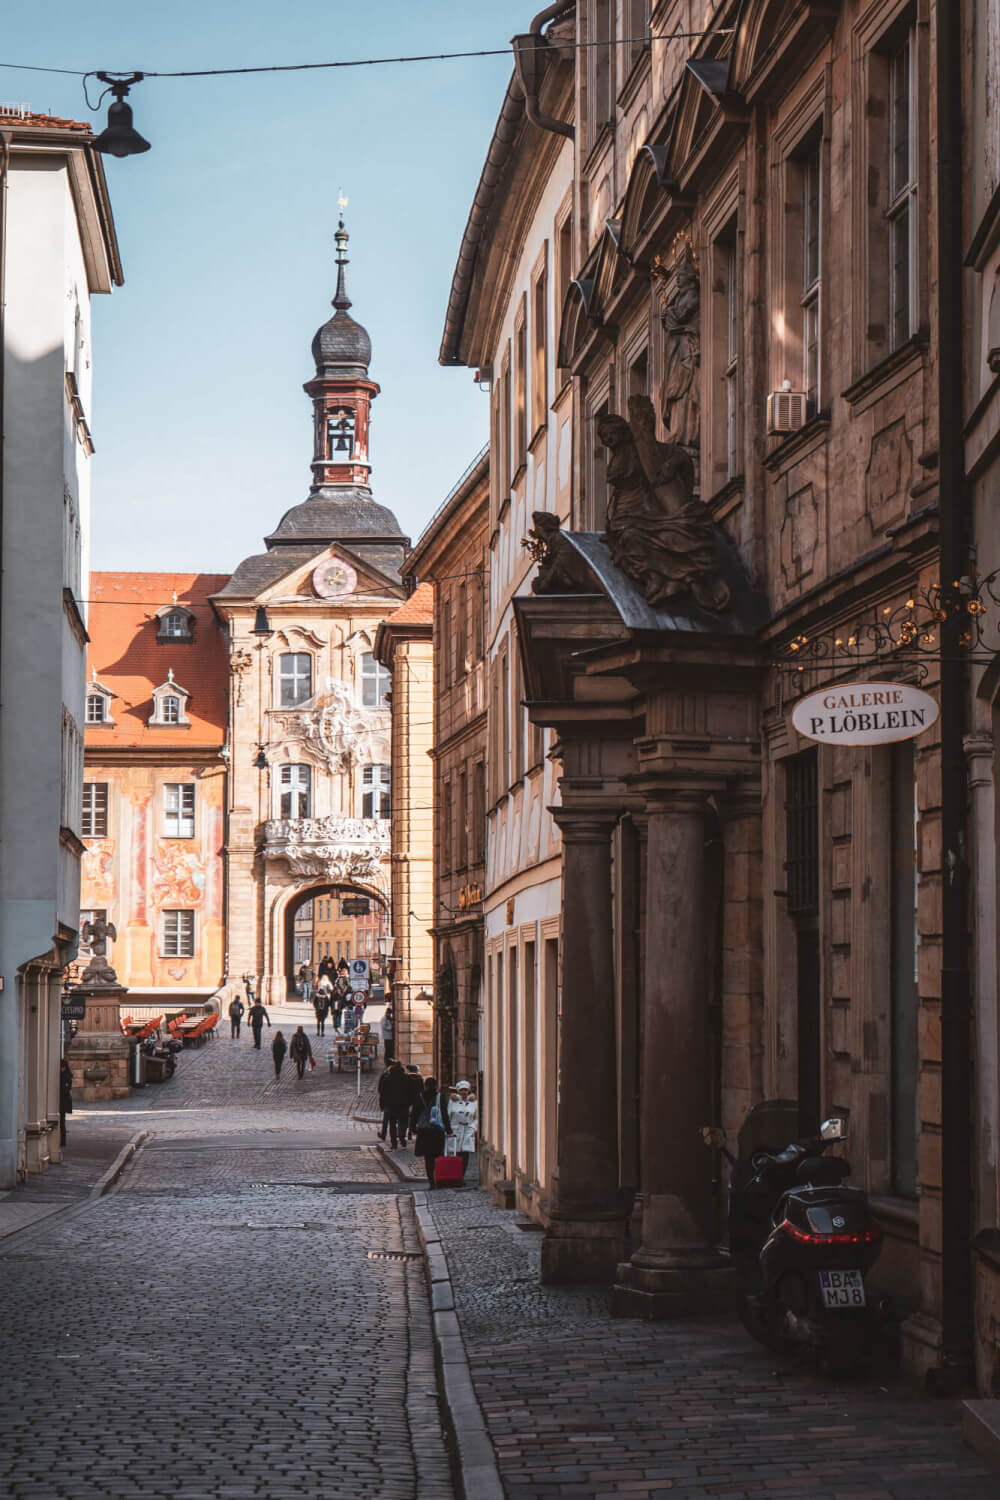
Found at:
<point>463,1114</point>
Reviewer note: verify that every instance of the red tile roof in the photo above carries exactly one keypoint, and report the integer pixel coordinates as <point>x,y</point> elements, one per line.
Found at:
<point>130,661</point>
<point>418,609</point>
<point>12,121</point>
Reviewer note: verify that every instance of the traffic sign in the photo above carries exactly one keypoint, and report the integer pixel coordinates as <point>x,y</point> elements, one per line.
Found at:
<point>360,969</point>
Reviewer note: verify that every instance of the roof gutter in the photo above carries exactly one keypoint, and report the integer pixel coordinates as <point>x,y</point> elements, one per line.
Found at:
<point>530,64</point>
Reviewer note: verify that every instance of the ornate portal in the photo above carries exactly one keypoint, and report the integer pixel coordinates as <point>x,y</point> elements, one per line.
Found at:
<point>329,848</point>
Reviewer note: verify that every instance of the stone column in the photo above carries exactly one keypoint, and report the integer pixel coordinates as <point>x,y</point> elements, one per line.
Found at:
<point>585,1236</point>
<point>677,1268</point>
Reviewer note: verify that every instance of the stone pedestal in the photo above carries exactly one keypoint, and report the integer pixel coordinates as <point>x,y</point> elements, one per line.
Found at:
<point>99,1055</point>
<point>586,1234</point>
<point>677,1269</point>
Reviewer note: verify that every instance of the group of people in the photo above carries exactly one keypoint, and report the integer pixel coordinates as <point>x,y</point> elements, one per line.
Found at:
<point>441,1122</point>
<point>330,994</point>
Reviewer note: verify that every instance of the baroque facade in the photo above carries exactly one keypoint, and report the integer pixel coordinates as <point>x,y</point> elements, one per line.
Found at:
<point>452,557</point>
<point>309,778</point>
<point>57,250</point>
<point>753,322</point>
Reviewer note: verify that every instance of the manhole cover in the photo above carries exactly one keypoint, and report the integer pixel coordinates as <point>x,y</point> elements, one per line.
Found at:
<point>394,1255</point>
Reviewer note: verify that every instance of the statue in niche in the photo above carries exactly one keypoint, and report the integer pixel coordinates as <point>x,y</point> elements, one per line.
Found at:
<point>561,569</point>
<point>658,533</point>
<point>680,313</point>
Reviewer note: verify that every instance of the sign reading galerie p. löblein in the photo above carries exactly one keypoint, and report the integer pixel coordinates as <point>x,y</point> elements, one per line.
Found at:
<point>865,713</point>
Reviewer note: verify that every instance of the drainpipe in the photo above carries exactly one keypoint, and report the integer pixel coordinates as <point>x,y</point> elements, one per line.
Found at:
<point>955,1365</point>
<point>530,63</point>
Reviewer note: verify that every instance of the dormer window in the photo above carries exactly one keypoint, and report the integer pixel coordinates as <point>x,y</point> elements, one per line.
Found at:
<point>170,704</point>
<point>98,701</point>
<point>174,623</point>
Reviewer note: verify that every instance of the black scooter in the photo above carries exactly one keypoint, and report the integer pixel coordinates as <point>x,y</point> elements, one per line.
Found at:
<point>802,1244</point>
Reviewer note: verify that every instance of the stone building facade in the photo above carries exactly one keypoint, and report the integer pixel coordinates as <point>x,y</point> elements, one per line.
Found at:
<point>503,316</point>
<point>404,646</point>
<point>154,791</point>
<point>57,250</point>
<point>309,777</point>
<point>751,322</point>
<point>452,556</point>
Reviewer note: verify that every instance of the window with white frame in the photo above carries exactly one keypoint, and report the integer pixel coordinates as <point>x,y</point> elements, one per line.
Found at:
<point>94,820</point>
<point>376,681</point>
<point>170,709</point>
<point>296,791</point>
<point>97,706</point>
<point>294,678</point>
<point>376,792</point>
<point>178,810</point>
<point>177,940</point>
<point>175,625</point>
<point>170,704</point>
<point>901,206</point>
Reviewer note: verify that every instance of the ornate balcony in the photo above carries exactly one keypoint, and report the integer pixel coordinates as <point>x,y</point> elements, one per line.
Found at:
<point>330,848</point>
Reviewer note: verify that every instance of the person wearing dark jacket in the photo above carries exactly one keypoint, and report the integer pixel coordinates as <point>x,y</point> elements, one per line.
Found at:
<point>236,1009</point>
<point>278,1049</point>
<point>65,1097</point>
<point>430,1132</point>
<point>415,1084</point>
<point>394,1092</point>
<point>256,1016</point>
<point>299,1050</point>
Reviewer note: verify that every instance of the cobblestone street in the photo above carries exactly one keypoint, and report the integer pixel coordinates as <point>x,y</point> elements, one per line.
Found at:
<point>247,1314</point>
<point>216,1326</point>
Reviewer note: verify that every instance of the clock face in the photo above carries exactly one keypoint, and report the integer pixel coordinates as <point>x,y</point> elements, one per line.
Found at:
<point>333,578</point>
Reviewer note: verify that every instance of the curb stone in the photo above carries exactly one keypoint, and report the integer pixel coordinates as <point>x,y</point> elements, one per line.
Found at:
<point>107,1180</point>
<point>478,1475</point>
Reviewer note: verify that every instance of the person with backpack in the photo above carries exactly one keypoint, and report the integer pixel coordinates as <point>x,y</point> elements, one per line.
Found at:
<point>300,1051</point>
<point>236,1009</point>
<point>430,1124</point>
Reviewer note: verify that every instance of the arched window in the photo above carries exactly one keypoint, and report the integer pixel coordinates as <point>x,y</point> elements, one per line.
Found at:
<point>376,792</point>
<point>375,681</point>
<point>294,678</point>
<point>296,791</point>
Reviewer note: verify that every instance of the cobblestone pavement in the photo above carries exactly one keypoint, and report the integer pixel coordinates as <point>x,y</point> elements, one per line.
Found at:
<point>237,1319</point>
<point>580,1406</point>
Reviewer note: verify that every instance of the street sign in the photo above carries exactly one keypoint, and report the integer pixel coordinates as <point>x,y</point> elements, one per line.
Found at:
<point>357,985</point>
<point>355,906</point>
<point>74,1010</point>
<point>865,713</point>
<point>360,969</point>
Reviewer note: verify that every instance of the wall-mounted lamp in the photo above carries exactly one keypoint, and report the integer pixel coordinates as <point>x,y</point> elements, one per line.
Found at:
<point>261,624</point>
<point>260,759</point>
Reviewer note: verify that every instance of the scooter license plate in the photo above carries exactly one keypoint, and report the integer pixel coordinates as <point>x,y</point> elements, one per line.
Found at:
<point>842,1288</point>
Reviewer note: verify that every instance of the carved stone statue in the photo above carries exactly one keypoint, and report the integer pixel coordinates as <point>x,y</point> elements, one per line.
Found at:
<point>95,935</point>
<point>658,533</point>
<point>680,314</point>
<point>561,570</point>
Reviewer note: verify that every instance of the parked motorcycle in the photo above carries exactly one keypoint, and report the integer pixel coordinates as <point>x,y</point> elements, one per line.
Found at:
<point>802,1243</point>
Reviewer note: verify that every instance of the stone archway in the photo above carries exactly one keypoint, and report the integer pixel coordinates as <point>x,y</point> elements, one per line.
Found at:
<point>289,901</point>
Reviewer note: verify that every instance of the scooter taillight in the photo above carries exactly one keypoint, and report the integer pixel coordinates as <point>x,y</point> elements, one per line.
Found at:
<point>868,1237</point>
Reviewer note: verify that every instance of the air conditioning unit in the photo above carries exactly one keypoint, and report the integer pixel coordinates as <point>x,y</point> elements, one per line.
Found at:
<point>786,410</point>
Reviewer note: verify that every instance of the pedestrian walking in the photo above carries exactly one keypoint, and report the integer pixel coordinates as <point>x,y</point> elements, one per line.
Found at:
<point>256,1016</point>
<point>383,1132</point>
<point>430,1124</point>
<point>306,981</point>
<point>248,984</point>
<point>388,1031</point>
<point>299,1050</point>
<point>463,1112</point>
<point>65,1097</point>
<point>278,1049</point>
<point>321,1007</point>
<point>328,967</point>
<point>395,1095</point>
<point>236,1010</point>
<point>415,1085</point>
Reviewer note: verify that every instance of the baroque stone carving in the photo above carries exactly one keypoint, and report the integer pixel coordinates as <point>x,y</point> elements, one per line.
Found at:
<point>658,533</point>
<point>96,935</point>
<point>333,848</point>
<point>337,729</point>
<point>561,570</point>
<point>679,293</point>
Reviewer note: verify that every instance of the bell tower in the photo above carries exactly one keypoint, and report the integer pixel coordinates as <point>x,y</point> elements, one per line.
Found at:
<point>341,390</point>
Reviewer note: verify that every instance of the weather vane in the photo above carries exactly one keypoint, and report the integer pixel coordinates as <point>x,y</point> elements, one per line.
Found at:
<point>341,201</point>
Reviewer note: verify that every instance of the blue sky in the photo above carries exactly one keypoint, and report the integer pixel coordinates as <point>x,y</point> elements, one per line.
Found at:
<point>202,430</point>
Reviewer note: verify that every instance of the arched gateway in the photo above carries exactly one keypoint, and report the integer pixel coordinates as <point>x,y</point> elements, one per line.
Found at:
<point>310,774</point>
<point>332,921</point>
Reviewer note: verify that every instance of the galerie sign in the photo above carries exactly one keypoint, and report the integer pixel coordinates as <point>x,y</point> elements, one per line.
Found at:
<point>865,713</point>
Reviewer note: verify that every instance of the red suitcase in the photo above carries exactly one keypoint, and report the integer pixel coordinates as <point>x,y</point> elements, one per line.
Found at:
<point>448,1171</point>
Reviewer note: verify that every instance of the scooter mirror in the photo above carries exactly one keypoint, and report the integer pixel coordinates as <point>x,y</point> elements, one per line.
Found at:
<point>833,1130</point>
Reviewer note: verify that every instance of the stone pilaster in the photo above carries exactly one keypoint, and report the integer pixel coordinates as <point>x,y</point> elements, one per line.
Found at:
<point>585,1236</point>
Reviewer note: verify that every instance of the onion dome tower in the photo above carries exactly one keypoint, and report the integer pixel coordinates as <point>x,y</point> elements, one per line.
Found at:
<point>340,505</point>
